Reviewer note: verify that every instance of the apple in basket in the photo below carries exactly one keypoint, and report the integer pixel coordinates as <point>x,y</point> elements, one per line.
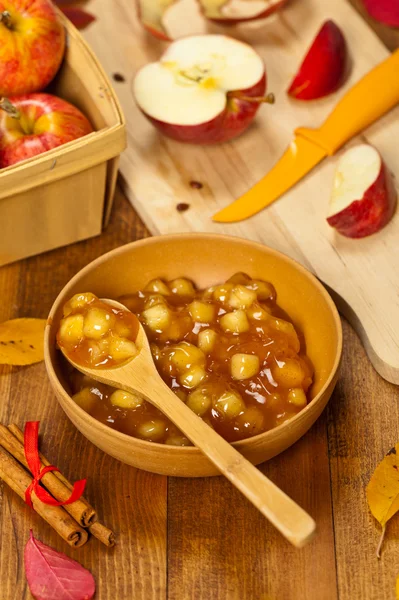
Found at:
<point>204,89</point>
<point>32,44</point>
<point>35,123</point>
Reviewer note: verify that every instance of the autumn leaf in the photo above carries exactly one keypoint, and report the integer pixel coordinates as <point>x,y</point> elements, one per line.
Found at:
<point>397,589</point>
<point>53,576</point>
<point>21,341</point>
<point>383,491</point>
<point>79,17</point>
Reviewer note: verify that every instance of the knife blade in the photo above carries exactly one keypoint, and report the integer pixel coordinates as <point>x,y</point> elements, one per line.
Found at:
<point>374,95</point>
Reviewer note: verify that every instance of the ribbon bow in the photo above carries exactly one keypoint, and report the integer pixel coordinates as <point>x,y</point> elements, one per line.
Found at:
<point>31,435</point>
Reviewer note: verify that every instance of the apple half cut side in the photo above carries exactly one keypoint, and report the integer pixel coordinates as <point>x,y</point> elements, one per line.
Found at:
<point>151,12</point>
<point>230,12</point>
<point>324,67</point>
<point>384,11</point>
<point>205,89</point>
<point>364,197</point>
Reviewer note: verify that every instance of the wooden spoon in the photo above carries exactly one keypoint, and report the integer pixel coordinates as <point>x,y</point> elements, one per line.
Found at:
<point>140,376</point>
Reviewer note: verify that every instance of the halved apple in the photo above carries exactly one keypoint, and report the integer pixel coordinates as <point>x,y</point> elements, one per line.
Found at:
<point>204,89</point>
<point>364,197</point>
<point>384,11</point>
<point>151,12</point>
<point>228,12</point>
<point>324,66</point>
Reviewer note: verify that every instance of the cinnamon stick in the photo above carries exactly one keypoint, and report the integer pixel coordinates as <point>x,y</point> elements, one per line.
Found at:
<point>98,530</point>
<point>103,534</point>
<point>80,510</point>
<point>15,476</point>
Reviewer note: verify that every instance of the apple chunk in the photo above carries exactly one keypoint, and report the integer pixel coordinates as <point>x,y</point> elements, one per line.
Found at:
<point>364,197</point>
<point>151,13</point>
<point>324,66</point>
<point>204,89</point>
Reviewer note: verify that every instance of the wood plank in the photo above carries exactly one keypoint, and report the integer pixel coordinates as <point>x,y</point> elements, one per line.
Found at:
<point>131,502</point>
<point>221,548</point>
<point>363,424</point>
<point>157,171</point>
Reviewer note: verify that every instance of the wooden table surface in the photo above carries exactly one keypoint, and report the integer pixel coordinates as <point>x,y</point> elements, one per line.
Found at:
<point>182,539</point>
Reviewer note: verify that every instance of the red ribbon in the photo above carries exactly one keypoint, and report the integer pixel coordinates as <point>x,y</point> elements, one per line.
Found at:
<point>31,435</point>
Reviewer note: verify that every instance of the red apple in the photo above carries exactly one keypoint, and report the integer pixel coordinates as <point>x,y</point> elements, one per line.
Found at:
<point>385,11</point>
<point>35,123</point>
<point>205,89</point>
<point>364,197</point>
<point>32,44</point>
<point>226,12</point>
<point>324,67</point>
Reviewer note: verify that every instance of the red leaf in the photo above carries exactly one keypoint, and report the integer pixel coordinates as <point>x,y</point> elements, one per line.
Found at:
<point>79,17</point>
<point>53,576</point>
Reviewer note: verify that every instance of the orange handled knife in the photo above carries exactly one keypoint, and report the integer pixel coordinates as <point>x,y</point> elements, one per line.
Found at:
<point>364,103</point>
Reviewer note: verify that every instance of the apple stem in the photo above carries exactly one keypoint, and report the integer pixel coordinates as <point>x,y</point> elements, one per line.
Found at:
<point>269,99</point>
<point>9,108</point>
<point>5,18</point>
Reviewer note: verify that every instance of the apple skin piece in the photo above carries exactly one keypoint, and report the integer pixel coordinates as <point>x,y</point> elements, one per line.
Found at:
<point>194,93</point>
<point>44,122</point>
<point>364,196</point>
<point>32,45</point>
<point>324,67</point>
<point>384,11</point>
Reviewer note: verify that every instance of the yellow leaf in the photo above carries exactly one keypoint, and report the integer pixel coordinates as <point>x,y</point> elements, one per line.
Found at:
<point>383,490</point>
<point>397,589</point>
<point>21,341</point>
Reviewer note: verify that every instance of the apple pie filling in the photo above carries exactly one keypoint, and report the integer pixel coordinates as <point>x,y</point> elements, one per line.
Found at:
<point>228,352</point>
<point>94,334</point>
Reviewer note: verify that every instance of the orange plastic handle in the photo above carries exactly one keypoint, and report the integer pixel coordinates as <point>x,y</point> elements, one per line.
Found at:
<point>367,101</point>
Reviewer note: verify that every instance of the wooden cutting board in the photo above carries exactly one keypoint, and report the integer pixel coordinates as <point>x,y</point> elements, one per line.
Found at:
<point>363,275</point>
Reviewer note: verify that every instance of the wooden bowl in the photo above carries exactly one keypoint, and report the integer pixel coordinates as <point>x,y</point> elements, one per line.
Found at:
<point>207,259</point>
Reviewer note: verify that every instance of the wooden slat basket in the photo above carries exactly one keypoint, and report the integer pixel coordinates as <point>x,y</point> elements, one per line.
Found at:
<point>65,195</point>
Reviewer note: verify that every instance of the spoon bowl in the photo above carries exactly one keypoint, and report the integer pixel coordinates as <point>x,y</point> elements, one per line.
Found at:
<point>139,375</point>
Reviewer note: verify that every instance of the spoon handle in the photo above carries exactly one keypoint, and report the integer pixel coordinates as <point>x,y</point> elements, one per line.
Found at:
<point>287,516</point>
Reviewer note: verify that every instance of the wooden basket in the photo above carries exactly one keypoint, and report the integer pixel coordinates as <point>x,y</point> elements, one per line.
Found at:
<point>65,195</point>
